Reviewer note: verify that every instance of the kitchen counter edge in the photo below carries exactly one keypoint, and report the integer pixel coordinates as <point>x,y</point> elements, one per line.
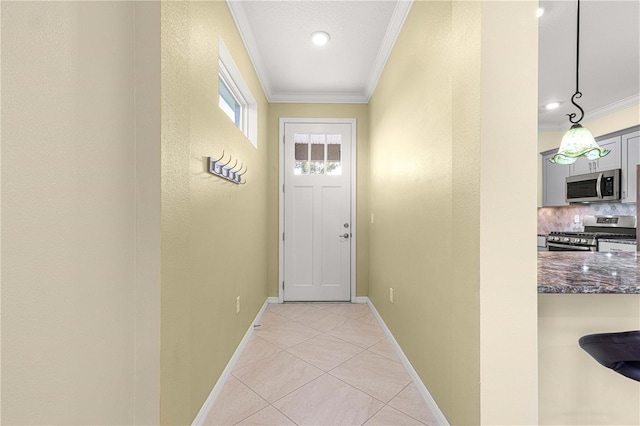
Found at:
<point>588,273</point>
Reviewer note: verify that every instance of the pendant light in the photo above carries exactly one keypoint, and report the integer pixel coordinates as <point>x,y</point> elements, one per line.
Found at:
<point>578,141</point>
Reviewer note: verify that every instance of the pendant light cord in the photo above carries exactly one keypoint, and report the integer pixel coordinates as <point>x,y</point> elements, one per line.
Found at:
<point>578,49</point>
<point>578,94</point>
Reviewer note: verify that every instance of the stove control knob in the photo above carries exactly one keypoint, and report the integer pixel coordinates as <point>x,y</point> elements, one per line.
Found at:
<point>583,241</point>
<point>566,239</point>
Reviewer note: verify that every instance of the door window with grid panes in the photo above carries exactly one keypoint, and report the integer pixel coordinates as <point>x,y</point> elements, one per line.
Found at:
<point>318,154</point>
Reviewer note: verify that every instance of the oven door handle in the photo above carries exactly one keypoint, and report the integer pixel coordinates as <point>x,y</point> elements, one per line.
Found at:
<point>568,246</point>
<point>598,187</point>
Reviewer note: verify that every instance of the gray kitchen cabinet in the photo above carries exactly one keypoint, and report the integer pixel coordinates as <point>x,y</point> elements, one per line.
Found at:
<point>625,155</point>
<point>553,181</point>
<point>611,161</point>
<point>630,160</point>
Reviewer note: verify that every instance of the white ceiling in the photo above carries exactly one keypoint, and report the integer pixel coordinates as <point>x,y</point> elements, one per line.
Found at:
<point>277,35</point>
<point>291,69</point>
<point>609,58</point>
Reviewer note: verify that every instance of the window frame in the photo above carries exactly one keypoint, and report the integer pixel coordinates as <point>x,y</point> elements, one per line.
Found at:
<point>240,107</point>
<point>229,73</point>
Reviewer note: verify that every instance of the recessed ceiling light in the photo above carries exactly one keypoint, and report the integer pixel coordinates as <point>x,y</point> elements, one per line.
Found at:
<point>320,38</point>
<point>540,12</point>
<point>552,105</point>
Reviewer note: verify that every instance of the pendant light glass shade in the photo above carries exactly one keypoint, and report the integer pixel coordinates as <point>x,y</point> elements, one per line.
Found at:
<point>578,142</point>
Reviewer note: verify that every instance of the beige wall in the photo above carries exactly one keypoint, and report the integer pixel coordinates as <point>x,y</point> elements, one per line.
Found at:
<point>508,277</point>
<point>147,243</point>
<point>441,120</point>
<point>574,388</point>
<point>214,233</point>
<point>80,194</point>
<point>610,123</point>
<point>360,113</point>
<point>411,183</point>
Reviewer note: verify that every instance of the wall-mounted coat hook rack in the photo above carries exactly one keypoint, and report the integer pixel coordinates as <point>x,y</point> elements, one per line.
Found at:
<point>222,169</point>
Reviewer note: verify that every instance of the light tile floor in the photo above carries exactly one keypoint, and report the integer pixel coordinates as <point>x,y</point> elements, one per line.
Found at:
<point>319,364</point>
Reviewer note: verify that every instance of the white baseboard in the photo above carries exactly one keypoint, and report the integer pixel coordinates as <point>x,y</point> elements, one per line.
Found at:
<point>273,300</point>
<point>422,389</point>
<point>360,300</point>
<point>215,392</point>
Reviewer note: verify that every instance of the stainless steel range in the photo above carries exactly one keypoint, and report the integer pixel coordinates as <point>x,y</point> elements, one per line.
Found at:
<point>595,228</point>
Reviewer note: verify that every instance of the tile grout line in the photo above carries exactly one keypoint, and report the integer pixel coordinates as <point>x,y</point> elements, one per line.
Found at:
<point>385,338</point>
<point>257,394</point>
<point>258,360</point>
<point>292,421</point>
<point>399,409</point>
<point>294,390</point>
<point>359,390</point>
<point>325,373</point>
<point>302,385</point>
<point>320,333</point>
<point>354,344</point>
<point>342,362</point>
<point>374,414</point>
<point>367,349</point>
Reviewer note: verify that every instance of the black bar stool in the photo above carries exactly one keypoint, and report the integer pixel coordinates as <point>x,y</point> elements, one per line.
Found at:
<point>617,351</point>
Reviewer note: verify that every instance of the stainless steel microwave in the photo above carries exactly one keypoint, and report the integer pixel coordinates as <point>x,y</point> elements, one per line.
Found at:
<point>594,187</point>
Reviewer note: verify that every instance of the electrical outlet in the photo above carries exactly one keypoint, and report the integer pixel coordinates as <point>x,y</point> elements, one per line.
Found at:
<point>238,305</point>
<point>576,218</point>
<point>371,217</point>
<point>390,294</point>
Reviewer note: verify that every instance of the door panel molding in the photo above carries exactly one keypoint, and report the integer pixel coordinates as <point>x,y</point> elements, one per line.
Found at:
<point>353,195</point>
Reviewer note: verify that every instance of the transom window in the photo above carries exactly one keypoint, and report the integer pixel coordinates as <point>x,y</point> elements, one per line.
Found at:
<point>317,154</point>
<point>229,102</point>
<point>234,96</point>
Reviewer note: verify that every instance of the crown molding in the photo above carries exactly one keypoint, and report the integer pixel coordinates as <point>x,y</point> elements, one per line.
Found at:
<point>246,33</point>
<point>593,115</point>
<point>614,107</point>
<point>393,31</point>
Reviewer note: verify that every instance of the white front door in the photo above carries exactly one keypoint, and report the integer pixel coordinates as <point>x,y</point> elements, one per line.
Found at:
<point>318,231</point>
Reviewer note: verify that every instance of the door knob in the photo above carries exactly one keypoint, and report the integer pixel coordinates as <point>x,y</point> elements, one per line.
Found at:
<point>345,235</point>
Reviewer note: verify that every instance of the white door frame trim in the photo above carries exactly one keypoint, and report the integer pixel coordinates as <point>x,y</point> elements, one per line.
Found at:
<point>284,120</point>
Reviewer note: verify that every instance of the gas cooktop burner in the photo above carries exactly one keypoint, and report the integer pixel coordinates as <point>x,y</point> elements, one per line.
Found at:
<point>590,234</point>
<point>596,228</point>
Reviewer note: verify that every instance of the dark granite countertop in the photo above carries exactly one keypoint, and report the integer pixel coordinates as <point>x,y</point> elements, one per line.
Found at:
<point>587,273</point>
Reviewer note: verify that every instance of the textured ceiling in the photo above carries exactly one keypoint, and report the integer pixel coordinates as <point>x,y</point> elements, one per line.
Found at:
<point>291,69</point>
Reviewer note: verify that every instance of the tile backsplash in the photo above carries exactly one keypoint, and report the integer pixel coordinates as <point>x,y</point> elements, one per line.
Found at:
<point>562,218</point>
